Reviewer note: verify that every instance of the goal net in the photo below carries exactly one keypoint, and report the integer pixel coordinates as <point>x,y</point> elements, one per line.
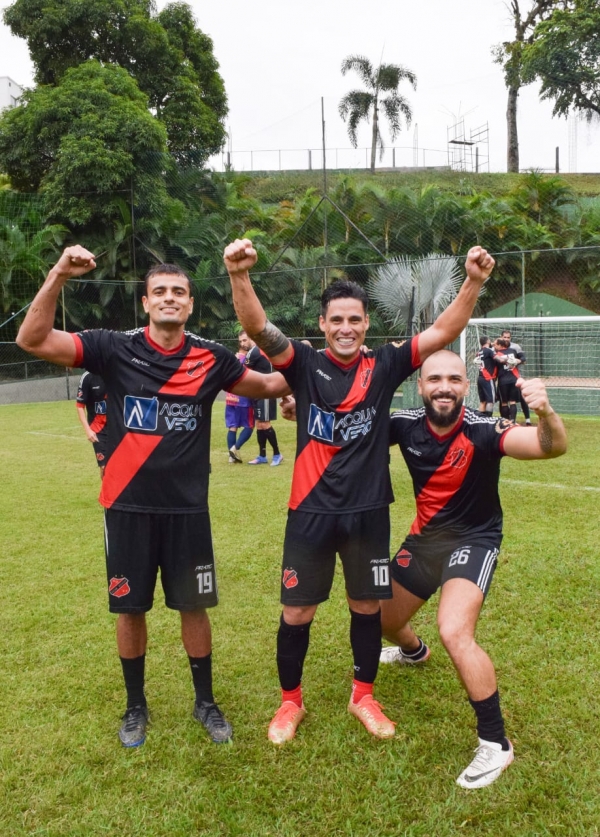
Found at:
<point>563,351</point>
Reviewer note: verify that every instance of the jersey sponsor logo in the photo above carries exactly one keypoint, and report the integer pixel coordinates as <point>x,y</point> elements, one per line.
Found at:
<point>119,587</point>
<point>100,408</point>
<point>321,424</point>
<point>416,452</point>
<point>290,579</point>
<point>323,375</point>
<point>181,416</point>
<point>140,413</point>
<point>195,368</point>
<point>356,424</point>
<point>403,558</point>
<point>140,362</point>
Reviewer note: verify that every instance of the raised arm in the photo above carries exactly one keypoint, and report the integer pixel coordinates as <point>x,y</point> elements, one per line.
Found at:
<point>239,258</point>
<point>454,319</point>
<point>37,334</point>
<point>256,385</point>
<point>546,441</point>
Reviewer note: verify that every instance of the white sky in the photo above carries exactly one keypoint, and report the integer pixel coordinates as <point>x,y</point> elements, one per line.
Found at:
<point>279,58</point>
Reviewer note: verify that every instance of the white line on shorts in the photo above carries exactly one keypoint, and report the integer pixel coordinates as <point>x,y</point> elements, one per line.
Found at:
<point>553,485</point>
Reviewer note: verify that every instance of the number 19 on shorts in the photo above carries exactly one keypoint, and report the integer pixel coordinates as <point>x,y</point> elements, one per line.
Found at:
<point>381,575</point>
<point>205,582</point>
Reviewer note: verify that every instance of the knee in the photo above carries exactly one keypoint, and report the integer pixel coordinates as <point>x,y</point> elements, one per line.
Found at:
<point>298,615</point>
<point>455,637</point>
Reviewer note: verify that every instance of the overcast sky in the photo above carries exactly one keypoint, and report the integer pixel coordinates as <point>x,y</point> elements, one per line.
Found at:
<point>278,59</point>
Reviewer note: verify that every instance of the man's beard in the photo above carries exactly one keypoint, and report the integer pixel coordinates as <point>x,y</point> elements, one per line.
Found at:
<point>442,419</point>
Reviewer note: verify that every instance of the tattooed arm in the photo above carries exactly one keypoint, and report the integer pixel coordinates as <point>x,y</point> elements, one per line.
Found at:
<point>239,257</point>
<point>546,441</point>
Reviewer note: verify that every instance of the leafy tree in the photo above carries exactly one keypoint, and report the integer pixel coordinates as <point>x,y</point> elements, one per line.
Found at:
<point>169,57</point>
<point>364,104</point>
<point>83,141</point>
<point>510,55</point>
<point>565,55</point>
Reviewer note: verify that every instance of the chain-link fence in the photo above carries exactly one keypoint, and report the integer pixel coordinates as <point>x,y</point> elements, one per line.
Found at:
<point>307,234</point>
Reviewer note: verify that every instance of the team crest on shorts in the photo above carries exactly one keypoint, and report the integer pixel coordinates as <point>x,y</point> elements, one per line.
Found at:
<point>290,579</point>
<point>100,457</point>
<point>119,587</point>
<point>403,558</point>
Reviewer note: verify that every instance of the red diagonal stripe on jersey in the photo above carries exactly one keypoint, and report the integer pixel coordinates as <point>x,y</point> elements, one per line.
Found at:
<point>360,385</point>
<point>191,374</point>
<point>444,483</point>
<point>308,470</point>
<point>131,453</point>
<point>98,423</point>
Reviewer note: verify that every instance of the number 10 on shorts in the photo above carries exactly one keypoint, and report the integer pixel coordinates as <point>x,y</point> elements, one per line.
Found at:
<point>381,575</point>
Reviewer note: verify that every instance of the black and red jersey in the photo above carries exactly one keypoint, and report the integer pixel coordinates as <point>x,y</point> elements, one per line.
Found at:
<point>159,415</point>
<point>91,393</point>
<point>258,361</point>
<point>507,372</point>
<point>455,476</point>
<point>343,413</point>
<point>488,368</point>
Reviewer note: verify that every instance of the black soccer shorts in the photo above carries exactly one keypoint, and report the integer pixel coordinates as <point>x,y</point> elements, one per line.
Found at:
<point>312,540</point>
<point>138,545</point>
<point>100,449</point>
<point>486,390</point>
<point>509,391</point>
<point>422,564</point>
<point>265,409</point>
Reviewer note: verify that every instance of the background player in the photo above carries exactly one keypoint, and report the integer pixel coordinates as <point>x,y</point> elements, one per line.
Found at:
<point>91,411</point>
<point>506,335</point>
<point>265,410</point>
<point>341,487</point>
<point>161,382</point>
<point>453,456</point>
<point>508,360</point>
<point>239,414</point>
<point>488,372</point>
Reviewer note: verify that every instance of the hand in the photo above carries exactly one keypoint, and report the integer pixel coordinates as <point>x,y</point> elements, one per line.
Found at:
<point>239,256</point>
<point>288,407</point>
<point>91,436</point>
<point>75,261</point>
<point>534,393</point>
<point>479,264</point>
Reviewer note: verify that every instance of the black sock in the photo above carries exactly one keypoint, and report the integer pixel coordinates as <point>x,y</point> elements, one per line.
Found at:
<point>261,438</point>
<point>133,673</point>
<point>490,724</point>
<point>202,677</point>
<point>415,655</point>
<point>525,408</point>
<point>292,645</point>
<point>365,639</point>
<point>504,411</point>
<point>272,439</point>
<point>512,412</point>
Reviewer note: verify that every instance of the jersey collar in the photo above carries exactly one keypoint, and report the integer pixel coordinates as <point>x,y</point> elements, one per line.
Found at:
<point>337,362</point>
<point>442,437</point>
<point>160,349</point>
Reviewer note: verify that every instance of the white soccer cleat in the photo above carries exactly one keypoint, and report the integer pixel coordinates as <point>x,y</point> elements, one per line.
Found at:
<point>393,654</point>
<point>489,762</point>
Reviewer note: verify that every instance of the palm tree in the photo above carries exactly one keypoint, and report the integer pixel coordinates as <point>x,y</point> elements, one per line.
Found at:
<point>361,104</point>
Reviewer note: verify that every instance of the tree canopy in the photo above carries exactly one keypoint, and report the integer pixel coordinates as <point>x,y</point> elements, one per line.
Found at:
<point>364,104</point>
<point>171,60</point>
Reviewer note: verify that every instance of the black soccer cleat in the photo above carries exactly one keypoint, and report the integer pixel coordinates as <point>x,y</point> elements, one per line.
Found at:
<point>133,728</point>
<point>213,720</point>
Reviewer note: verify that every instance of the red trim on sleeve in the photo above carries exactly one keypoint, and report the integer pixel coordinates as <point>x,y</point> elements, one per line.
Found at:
<point>287,363</point>
<point>414,352</point>
<point>78,350</point>
<point>503,437</point>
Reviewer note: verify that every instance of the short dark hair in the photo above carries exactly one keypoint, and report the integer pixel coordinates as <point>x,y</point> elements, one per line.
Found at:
<point>165,270</point>
<point>343,289</point>
<point>502,341</point>
<point>506,331</point>
<point>483,340</point>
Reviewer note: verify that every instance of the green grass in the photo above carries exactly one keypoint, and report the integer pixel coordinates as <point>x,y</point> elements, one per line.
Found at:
<point>62,771</point>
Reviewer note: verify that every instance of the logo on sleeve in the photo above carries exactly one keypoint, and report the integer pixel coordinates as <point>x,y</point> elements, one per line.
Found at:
<point>320,424</point>
<point>140,413</point>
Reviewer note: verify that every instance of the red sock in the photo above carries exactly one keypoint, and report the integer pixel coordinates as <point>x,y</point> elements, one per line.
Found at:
<point>360,689</point>
<point>295,696</point>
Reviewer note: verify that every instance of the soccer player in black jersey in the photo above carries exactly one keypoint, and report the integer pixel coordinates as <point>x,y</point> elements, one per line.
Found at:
<point>453,455</point>
<point>341,488</point>
<point>161,383</point>
<point>506,335</point>
<point>488,373</point>
<point>508,360</point>
<point>91,411</point>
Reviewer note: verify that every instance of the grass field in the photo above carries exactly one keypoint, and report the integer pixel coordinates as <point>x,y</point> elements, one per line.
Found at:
<point>63,771</point>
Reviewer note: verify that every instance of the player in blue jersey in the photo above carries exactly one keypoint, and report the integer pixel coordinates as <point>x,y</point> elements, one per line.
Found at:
<point>161,382</point>
<point>453,455</point>
<point>341,488</point>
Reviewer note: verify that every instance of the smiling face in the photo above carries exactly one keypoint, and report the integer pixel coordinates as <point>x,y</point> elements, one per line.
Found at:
<point>344,325</point>
<point>168,301</point>
<point>443,386</point>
